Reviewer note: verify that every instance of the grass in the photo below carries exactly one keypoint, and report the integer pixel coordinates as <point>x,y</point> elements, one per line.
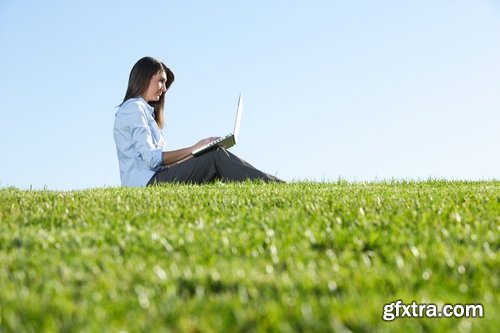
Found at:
<point>315,257</point>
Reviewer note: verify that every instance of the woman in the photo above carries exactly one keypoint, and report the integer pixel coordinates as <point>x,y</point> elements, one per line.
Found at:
<point>139,140</point>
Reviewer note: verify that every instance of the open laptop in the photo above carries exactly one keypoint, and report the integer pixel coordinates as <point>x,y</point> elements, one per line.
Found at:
<point>228,140</point>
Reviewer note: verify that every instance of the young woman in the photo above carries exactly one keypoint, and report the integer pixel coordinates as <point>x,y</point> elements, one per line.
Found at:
<point>139,140</point>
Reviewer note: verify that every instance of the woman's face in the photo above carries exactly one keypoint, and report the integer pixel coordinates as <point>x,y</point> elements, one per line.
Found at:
<point>156,87</point>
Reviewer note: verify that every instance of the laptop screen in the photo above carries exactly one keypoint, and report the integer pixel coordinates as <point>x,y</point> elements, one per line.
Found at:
<point>238,118</point>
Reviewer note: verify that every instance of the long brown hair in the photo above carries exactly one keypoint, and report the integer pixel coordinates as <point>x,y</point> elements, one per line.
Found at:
<point>138,83</point>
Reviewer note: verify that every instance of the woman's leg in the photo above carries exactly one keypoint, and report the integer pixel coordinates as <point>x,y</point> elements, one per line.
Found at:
<point>214,164</point>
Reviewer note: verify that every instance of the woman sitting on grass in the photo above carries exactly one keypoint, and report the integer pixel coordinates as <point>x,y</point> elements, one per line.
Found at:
<point>139,140</point>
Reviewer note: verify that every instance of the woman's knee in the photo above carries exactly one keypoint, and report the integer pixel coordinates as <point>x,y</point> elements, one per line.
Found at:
<point>217,155</point>
<point>210,156</point>
<point>217,152</point>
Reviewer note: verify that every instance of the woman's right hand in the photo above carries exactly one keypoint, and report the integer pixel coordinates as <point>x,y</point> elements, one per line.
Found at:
<point>203,142</point>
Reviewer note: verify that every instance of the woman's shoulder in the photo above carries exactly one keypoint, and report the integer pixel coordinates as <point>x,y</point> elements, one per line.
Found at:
<point>133,105</point>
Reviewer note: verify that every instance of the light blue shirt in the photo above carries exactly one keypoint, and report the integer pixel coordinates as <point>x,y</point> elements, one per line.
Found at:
<point>139,142</point>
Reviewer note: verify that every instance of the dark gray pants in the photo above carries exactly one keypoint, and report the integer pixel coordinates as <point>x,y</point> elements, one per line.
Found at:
<point>212,165</point>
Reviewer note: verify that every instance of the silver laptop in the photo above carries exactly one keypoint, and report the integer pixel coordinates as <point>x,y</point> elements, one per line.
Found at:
<point>228,140</point>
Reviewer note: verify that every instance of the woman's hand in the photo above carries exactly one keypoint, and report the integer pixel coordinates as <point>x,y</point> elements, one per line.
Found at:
<point>203,142</point>
<point>178,156</point>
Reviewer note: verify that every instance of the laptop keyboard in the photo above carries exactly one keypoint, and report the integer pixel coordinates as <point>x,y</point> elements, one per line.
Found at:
<point>211,144</point>
<point>214,142</point>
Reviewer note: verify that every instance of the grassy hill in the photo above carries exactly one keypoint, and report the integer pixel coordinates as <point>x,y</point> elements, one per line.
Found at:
<point>315,257</point>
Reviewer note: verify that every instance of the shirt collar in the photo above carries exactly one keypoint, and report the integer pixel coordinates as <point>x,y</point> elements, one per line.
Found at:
<point>150,109</point>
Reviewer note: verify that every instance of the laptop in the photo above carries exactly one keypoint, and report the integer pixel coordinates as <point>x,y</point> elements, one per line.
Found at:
<point>228,140</point>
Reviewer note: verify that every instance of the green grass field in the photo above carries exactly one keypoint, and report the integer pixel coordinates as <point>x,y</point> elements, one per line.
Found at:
<point>299,257</point>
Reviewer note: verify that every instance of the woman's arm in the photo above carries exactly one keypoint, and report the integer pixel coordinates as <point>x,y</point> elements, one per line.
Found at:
<point>180,155</point>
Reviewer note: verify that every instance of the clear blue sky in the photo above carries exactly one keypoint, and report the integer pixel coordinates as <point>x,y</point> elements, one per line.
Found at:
<point>361,90</point>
